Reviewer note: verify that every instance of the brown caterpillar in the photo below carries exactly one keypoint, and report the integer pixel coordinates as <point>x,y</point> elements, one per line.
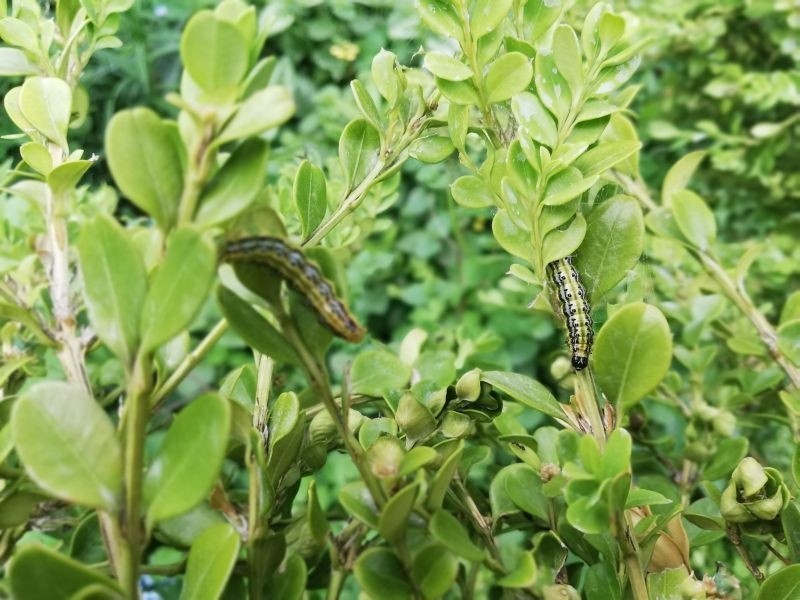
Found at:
<point>303,276</point>
<point>574,308</point>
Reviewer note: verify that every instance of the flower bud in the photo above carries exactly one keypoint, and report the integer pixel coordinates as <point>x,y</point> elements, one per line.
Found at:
<point>384,457</point>
<point>724,423</point>
<point>468,387</point>
<point>755,493</point>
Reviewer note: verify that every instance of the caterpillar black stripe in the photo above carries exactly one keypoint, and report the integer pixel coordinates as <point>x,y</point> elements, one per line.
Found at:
<point>303,276</point>
<point>574,308</point>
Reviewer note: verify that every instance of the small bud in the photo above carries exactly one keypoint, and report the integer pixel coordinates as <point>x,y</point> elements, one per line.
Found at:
<point>384,457</point>
<point>468,387</point>
<point>413,418</point>
<point>697,452</point>
<point>724,423</point>
<point>322,429</point>
<point>755,493</point>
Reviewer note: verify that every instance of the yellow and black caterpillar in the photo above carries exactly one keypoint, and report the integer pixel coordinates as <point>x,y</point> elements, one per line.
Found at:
<point>574,308</point>
<point>303,276</point>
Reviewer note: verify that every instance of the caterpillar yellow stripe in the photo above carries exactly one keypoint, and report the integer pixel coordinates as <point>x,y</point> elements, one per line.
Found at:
<point>303,276</point>
<point>574,309</point>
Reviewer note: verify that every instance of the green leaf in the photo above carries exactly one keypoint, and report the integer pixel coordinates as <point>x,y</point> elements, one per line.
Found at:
<point>534,118</point>
<point>694,219</point>
<point>602,583</point>
<point>567,55</point>
<point>359,151</point>
<point>37,157</point>
<point>523,575</point>
<point>448,531</point>
<point>28,318</point>
<point>791,308</point>
<point>525,390</point>
<point>68,444</point>
<point>633,353</point>
<point>446,67</point>
<point>486,15</point>
<point>65,177</point>
<point>434,570</point>
<point>214,52</point>
<point>384,75</point>
<point>472,192</point>
<point>458,117</point>
<point>310,196</point>
<point>235,185</point>
<point>642,497</point>
<point>290,583</point>
<point>783,585</point>
<point>381,575</point>
<point>523,486</point>
<point>563,242</point>
<point>315,517</point>
<point>366,104</point>
<point>566,185</point>
<point>286,426</point>
<point>508,75</point>
<point>512,238</point>
<point>613,244</point>
<point>551,87</point>
<point>46,103</point>
<point>441,481</point>
<point>666,584</point>
<point>145,159</point>
<point>37,572</point>
<point>179,287</point>
<point>357,501</point>
<point>252,119</point>
<point>680,173</point>
<point>728,454</point>
<point>15,63</point>
<point>188,462</point>
<point>790,519</point>
<point>210,563</point>
<point>605,155</point>
<point>374,372</point>
<point>254,329</point>
<point>415,459</point>
<point>440,16</point>
<point>115,284</point>
<point>459,92</point>
<point>431,147</point>
<point>393,521</point>
<point>789,340</point>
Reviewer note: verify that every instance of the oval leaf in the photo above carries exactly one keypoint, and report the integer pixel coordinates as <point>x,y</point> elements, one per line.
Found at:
<point>632,353</point>
<point>613,244</point>
<point>179,288</point>
<point>115,284</point>
<point>381,575</point>
<point>694,219</point>
<point>188,462</point>
<point>68,444</point>
<point>210,563</point>
<point>525,390</point>
<point>46,103</point>
<point>214,52</point>
<point>359,151</point>
<point>508,75</point>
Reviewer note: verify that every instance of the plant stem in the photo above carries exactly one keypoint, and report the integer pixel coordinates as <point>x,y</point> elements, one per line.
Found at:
<point>735,537</point>
<point>196,174</point>
<point>189,362</point>
<point>137,411</point>
<point>630,550</point>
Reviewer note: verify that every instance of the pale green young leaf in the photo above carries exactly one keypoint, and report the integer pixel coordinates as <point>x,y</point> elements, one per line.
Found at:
<point>145,159</point>
<point>441,16</point>
<point>534,118</point>
<point>37,157</point>
<point>374,372</point>
<point>366,104</point>
<point>563,242</point>
<point>446,67</point>
<point>214,52</point>
<point>604,156</point>
<point>179,287</point>
<point>567,55</point>
<point>68,445</point>
<point>115,284</point>
<point>472,192</point>
<point>263,110</point>
<point>694,219</point>
<point>680,174</point>
<point>486,15</point>
<point>310,196</point>
<point>359,151</point>
<point>508,75</point>
<point>46,103</point>
<point>551,87</point>
<point>236,185</point>
<point>565,186</point>
<point>385,77</point>
<point>210,563</point>
<point>65,177</point>
<point>459,92</point>
<point>16,32</point>
<point>393,521</point>
<point>188,462</point>
<point>14,63</point>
